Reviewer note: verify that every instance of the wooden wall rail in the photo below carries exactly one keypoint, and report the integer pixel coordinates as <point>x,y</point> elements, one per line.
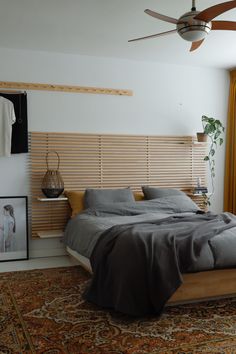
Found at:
<point>64,88</point>
<point>111,161</point>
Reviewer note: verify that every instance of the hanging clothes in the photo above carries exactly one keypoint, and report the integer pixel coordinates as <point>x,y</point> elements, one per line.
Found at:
<point>7,118</point>
<point>19,142</point>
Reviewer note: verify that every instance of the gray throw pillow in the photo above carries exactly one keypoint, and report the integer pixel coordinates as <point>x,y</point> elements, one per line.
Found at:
<point>154,192</point>
<point>93,197</point>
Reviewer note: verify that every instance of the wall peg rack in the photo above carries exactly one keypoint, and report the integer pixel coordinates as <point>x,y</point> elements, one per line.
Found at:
<point>64,88</point>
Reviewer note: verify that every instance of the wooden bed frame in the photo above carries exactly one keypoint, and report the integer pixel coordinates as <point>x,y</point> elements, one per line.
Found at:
<point>118,161</point>
<point>206,285</point>
<point>200,286</point>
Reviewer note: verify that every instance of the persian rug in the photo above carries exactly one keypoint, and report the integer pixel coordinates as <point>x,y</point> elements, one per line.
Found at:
<point>43,311</point>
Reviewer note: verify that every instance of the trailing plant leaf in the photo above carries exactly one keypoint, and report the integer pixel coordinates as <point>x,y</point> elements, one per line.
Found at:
<point>212,152</point>
<point>217,134</point>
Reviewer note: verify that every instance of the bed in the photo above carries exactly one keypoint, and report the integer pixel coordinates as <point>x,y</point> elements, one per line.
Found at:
<point>89,233</point>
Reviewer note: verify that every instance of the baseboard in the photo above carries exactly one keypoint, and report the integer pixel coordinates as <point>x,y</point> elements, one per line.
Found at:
<point>51,252</point>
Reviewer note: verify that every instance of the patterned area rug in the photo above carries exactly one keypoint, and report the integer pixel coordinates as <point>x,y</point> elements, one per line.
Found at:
<point>42,311</point>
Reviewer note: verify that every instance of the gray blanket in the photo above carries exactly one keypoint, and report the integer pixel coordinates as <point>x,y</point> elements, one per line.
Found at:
<point>138,266</point>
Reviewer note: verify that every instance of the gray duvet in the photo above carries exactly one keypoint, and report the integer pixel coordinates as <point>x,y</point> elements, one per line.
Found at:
<point>83,231</point>
<point>148,245</point>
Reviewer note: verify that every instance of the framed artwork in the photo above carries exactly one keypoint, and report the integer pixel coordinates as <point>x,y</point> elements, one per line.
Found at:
<point>13,228</point>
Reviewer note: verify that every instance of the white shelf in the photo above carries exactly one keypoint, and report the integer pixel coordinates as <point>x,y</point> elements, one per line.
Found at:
<point>50,234</point>
<point>59,199</point>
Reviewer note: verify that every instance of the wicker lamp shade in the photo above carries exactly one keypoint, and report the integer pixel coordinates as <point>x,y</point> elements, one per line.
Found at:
<point>52,184</point>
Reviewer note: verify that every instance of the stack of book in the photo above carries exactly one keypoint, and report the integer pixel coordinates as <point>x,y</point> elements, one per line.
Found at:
<point>200,190</point>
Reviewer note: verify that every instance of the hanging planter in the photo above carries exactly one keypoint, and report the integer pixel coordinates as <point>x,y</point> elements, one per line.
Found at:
<point>201,137</point>
<point>52,184</point>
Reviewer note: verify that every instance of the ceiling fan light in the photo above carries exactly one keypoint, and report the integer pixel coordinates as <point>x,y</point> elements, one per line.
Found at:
<point>194,35</point>
<point>192,30</point>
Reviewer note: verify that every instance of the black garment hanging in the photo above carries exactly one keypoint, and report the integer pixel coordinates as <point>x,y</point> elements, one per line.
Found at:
<point>19,139</point>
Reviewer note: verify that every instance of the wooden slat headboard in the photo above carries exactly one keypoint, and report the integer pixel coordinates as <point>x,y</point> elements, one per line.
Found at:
<point>111,161</point>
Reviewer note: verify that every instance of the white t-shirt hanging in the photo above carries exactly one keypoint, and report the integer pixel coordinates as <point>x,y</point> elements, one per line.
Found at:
<point>7,118</point>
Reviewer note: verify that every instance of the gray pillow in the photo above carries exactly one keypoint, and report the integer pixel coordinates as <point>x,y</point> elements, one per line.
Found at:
<point>176,204</point>
<point>93,197</point>
<point>154,192</point>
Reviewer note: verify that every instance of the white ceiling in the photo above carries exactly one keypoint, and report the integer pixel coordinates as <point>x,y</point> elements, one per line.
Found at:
<point>103,27</point>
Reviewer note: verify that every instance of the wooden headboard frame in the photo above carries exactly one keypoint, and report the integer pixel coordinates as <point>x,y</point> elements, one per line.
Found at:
<point>111,161</point>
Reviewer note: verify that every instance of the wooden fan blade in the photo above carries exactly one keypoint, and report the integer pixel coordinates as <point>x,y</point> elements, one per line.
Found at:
<point>224,25</point>
<point>211,12</point>
<point>161,17</point>
<point>153,35</point>
<point>196,45</point>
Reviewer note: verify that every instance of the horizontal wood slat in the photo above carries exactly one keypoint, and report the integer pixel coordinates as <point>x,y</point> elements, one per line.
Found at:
<point>111,161</point>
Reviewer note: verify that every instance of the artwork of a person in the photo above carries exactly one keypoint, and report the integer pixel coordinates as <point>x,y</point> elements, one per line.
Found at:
<point>7,230</point>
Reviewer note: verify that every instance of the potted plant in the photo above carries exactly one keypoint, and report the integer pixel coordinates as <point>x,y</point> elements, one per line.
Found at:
<point>201,137</point>
<point>214,129</point>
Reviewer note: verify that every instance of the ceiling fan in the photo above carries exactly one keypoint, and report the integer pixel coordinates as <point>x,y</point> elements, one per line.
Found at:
<point>193,26</point>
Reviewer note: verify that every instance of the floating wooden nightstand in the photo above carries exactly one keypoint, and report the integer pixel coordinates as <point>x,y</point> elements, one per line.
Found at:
<point>54,233</point>
<point>50,234</point>
<point>198,199</point>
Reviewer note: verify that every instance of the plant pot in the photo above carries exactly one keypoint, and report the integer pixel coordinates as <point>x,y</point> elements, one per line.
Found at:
<point>201,137</point>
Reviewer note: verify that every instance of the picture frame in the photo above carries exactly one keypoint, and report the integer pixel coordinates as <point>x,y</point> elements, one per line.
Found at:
<point>14,244</point>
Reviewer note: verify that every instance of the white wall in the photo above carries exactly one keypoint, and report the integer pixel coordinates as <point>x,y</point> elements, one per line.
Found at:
<point>168,99</point>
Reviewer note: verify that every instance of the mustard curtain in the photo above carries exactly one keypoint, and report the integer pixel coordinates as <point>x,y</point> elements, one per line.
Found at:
<point>230,162</point>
